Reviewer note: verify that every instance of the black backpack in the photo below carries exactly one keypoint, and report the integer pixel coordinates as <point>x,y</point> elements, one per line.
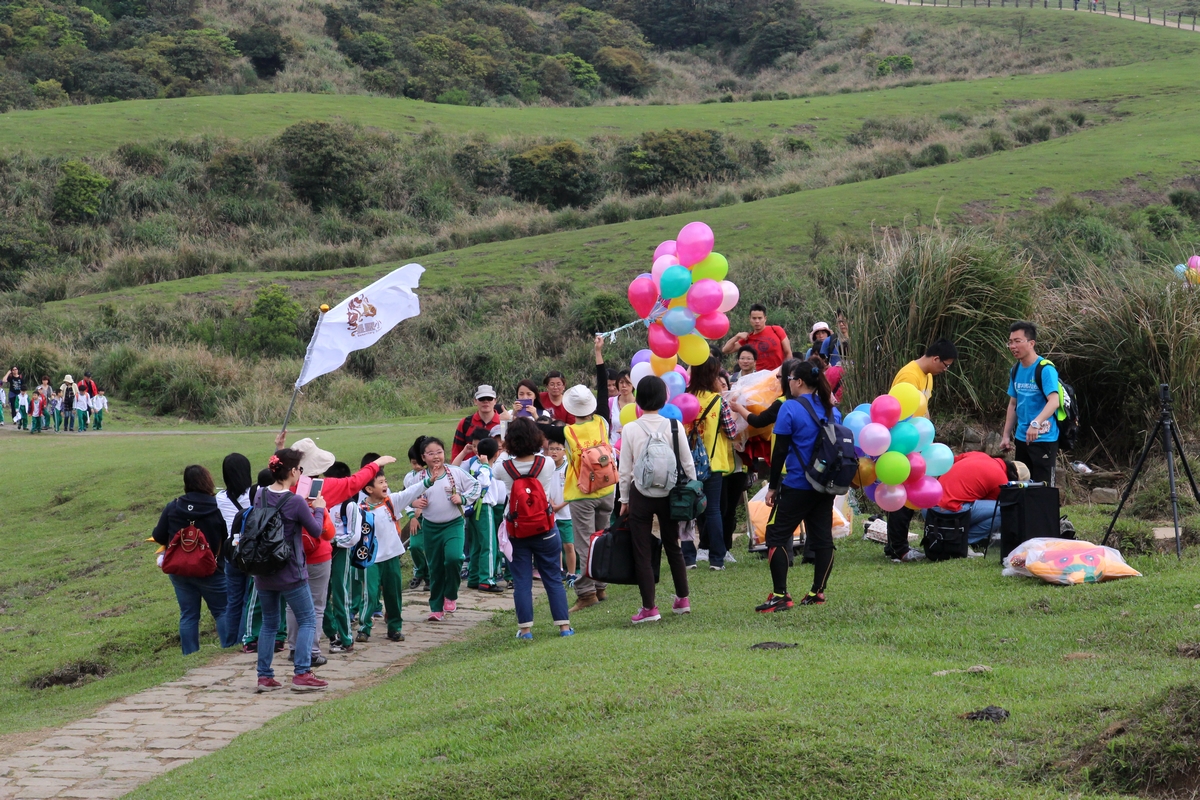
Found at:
<point>833,463</point>
<point>264,547</point>
<point>1068,408</point>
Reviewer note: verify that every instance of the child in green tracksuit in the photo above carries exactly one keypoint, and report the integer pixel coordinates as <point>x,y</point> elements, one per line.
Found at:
<point>83,404</point>
<point>480,519</point>
<point>383,504</point>
<point>56,409</point>
<point>99,406</point>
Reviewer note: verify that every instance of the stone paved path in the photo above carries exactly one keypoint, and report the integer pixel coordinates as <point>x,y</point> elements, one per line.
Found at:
<point>134,740</point>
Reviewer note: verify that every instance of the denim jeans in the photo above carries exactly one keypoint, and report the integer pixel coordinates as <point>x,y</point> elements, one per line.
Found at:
<point>983,520</point>
<point>299,599</point>
<point>189,592</point>
<point>318,586</point>
<point>545,551</point>
<point>714,521</point>
<point>237,587</point>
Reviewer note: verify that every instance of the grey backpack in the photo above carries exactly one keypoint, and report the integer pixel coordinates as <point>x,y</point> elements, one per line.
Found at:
<point>654,472</point>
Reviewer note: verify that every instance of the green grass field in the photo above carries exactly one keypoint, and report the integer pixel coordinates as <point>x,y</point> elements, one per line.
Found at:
<point>683,708</point>
<point>79,582</point>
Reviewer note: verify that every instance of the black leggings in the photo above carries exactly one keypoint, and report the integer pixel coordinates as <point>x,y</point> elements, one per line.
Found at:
<point>732,487</point>
<point>642,511</point>
<point>815,510</point>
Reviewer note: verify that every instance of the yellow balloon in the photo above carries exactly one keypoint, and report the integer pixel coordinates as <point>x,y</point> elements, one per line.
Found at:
<point>693,349</point>
<point>662,366</point>
<point>866,473</point>
<point>678,302</point>
<point>629,413</point>
<point>909,397</point>
<point>923,409</point>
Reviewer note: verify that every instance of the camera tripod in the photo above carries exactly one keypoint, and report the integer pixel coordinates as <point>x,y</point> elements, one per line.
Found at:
<point>1167,434</point>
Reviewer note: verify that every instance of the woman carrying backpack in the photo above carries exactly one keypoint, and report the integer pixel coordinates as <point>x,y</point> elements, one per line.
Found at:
<point>238,494</point>
<point>543,547</point>
<point>648,471</point>
<point>291,582</point>
<point>197,507</point>
<point>796,437</point>
<point>712,434</point>
<point>590,489</point>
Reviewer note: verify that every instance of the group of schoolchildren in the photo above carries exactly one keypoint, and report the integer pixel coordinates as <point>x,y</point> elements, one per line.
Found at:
<point>72,404</point>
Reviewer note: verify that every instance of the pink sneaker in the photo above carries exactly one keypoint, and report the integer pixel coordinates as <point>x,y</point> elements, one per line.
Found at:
<point>450,606</point>
<point>681,606</point>
<point>435,616</point>
<point>646,615</point>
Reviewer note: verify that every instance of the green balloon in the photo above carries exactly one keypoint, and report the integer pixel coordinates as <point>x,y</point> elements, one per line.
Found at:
<point>675,281</point>
<point>892,468</point>
<point>715,266</point>
<point>905,438</point>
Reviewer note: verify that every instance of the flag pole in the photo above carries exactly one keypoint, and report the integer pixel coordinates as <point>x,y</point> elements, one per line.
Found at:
<point>307,356</point>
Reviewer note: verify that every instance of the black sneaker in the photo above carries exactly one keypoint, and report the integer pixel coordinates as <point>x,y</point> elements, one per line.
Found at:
<point>811,599</point>
<point>396,637</point>
<point>341,648</point>
<point>491,588</point>
<point>775,602</point>
<point>319,660</point>
<point>472,585</point>
<point>362,637</point>
<point>292,656</point>
<point>414,584</point>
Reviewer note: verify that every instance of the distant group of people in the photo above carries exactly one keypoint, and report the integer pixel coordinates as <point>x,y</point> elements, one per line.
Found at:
<point>524,488</point>
<point>74,405</point>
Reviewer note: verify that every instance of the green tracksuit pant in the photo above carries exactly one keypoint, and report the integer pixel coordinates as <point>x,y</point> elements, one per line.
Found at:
<point>389,590</point>
<point>81,417</point>
<point>416,549</point>
<point>364,584</point>
<point>481,530</point>
<point>57,421</point>
<point>338,605</point>
<point>252,618</point>
<point>97,419</point>
<point>443,552</point>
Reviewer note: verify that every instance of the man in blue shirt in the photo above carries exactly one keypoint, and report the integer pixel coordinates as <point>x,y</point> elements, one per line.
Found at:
<point>1031,426</point>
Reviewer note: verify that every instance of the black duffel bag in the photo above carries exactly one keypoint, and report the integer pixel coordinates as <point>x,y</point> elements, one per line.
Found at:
<point>610,555</point>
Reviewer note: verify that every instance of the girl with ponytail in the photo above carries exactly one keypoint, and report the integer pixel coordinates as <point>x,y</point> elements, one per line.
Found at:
<point>790,495</point>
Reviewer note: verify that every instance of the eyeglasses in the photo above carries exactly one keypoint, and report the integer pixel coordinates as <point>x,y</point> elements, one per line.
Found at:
<point>1017,341</point>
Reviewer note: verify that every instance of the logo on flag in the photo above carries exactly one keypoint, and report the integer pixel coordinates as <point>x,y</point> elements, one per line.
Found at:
<point>357,317</point>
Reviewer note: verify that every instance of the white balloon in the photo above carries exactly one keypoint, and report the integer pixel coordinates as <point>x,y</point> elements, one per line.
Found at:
<point>640,371</point>
<point>731,297</point>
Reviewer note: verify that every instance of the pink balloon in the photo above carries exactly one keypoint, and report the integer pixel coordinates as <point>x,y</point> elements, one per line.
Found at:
<point>617,446</point>
<point>679,368</point>
<point>916,464</point>
<point>667,248</point>
<point>712,326</point>
<point>874,439</point>
<point>885,410</point>
<point>660,266</point>
<point>729,298</point>
<point>1194,263</point>
<point>705,297</point>
<point>643,294</point>
<point>927,492</point>
<point>689,406</point>
<point>890,498</point>
<point>694,243</point>
<point>663,343</point>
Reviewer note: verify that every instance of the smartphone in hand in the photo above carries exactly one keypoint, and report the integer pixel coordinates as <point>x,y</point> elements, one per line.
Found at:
<point>314,490</point>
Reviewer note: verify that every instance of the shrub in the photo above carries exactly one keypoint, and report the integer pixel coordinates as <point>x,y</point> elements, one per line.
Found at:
<point>932,155</point>
<point>325,163</point>
<point>830,69</point>
<point>1077,117</point>
<point>233,171</point>
<point>757,97</point>
<point>624,69</point>
<point>556,175</point>
<point>454,97</point>
<point>103,76</point>
<point>796,144</point>
<point>599,312</point>
<point>479,166</point>
<point>1187,201</point>
<point>583,75</point>
<point>201,54</point>
<point>21,251</point>
<point>142,158</point>
<point>271,326</point>
<point>50,94</point>
<point>266,48</point>
<point>673,157</point>
<point>997,141</point>
<point>728,98</point>
<point>1164,221</point>
<point>777,37</point>
<point>782,96</point>
<point>79,191</point>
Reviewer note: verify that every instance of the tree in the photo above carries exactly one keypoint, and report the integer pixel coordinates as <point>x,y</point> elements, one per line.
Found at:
<point>198,55</point>
<point>556,175</point>
<point>271,326</point>
<point>266,48</point>
<point>673,158</point>
<point>325,164</point>
<point>778,37</point>
<point>624,70</point>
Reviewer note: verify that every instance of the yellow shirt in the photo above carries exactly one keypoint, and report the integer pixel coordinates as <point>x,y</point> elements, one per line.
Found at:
<point>589,434</point>
<point>720,449</point>
<point>911,373</point>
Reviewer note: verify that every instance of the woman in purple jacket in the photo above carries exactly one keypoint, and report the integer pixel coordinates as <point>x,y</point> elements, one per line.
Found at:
<point>291,582</point>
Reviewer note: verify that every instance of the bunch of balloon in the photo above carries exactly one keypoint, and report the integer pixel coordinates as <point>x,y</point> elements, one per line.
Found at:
<point>899,463</point>
<point>1189,272</point>
<point>683,300</point>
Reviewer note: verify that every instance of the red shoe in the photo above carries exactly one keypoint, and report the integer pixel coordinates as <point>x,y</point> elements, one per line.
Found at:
<point>435,616</point>
<point>307,682</point>
<point>450,606</point>
<point>267,685</point>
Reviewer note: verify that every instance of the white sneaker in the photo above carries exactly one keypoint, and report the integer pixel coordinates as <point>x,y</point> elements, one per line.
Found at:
<point>909,556</point>
<point>702,555</point>
<point>972,553</point>
<point>729,559</point>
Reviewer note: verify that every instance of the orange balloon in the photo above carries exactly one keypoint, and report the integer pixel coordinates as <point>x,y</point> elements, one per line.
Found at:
<point>866,473</point>
<point>662,366</point>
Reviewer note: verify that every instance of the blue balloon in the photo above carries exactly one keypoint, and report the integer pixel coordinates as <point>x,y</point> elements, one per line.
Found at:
<point>1180,270</point>
<point>679,321</point>
<point>856,421</point>
<point>676,385</point>
<point>865,408</point>
<point>675,281</point>
<point>671,411</point>
<point>925,430</point>
<point>938,459</point>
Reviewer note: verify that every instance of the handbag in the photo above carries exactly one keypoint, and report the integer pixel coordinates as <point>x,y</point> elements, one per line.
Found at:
<point>701,458</point>
<point>188,555</point>
<point>610,555</point>
<point>686,501</point>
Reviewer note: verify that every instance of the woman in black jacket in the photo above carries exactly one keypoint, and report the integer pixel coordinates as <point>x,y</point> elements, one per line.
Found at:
<point>198,506</point>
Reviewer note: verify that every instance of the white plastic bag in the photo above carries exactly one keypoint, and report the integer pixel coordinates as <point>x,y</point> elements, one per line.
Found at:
<point>1067,562</point>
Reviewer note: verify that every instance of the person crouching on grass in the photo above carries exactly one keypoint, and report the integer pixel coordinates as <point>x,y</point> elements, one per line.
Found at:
<point>442,524</point>
<point>523,442</point>
<point>796,435</point>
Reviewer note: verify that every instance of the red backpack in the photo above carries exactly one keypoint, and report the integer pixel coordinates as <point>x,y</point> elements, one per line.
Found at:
<point>529,512</point>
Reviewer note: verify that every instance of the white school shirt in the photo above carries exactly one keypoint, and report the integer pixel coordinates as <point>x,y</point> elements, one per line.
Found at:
<point>440,509</point>
<point>556,493</point>
<point>99,403</point>
<point>387,534</point>
<point>228,510</point>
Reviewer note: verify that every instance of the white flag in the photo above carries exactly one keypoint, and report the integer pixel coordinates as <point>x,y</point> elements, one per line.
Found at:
<point>361,320</point>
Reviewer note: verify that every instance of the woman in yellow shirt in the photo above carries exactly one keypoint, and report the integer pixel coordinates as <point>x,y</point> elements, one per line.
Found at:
<point>589,512</point>
<point>714,429</point>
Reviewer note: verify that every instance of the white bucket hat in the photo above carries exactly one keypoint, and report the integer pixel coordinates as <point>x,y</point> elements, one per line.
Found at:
<point>313,459</point>
<point>820,326</point>
<point>579,401</point>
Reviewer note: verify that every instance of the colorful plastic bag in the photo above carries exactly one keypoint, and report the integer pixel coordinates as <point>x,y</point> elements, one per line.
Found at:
<point>760,516</point>
<point>756,391</point>
<point>1067,562</point>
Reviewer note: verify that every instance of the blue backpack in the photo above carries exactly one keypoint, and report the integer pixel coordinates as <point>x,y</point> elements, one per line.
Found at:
<point>833,463</point>
<point>362,555</point>
<point>700,454</point>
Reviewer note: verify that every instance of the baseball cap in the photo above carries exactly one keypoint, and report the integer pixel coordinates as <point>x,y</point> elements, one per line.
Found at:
<point>485,391</point>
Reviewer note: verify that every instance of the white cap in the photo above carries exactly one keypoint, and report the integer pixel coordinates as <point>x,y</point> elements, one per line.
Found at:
<point>579,401</point>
